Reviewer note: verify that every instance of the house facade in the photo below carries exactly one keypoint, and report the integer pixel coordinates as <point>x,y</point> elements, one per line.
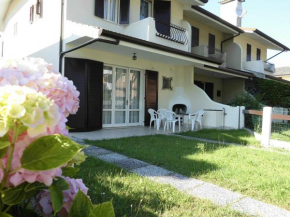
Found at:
<point>141,54</point>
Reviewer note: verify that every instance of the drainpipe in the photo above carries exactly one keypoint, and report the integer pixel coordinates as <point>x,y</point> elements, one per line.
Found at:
<point>61,25</point>
<point>275,55</point>
<point>2,46</point>
<point>62,54</point>
<point>228,40</point>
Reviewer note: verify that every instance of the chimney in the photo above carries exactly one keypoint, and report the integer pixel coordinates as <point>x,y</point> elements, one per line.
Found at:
<point>232,11</point>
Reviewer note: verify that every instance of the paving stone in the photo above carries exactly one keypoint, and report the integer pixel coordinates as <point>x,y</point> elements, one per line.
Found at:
<point>151,171</point>
<point>95,151</point>
<point>113,158</point>
<point>180,182</point>
<point>258,208</point>
<point>215,194</point>
<point>130,164</point>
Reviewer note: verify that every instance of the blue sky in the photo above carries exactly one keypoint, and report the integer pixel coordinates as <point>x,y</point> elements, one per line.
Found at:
<point>270,17</point>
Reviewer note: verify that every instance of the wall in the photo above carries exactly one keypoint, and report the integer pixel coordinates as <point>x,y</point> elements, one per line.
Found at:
<point>40,39</point>
<point>234,55</point>
<point>243,41</point>
<point>217,82</point>
<point>204,31</point>
<point>231,88</point>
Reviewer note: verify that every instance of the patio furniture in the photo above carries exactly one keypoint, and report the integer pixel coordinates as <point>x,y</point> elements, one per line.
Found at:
<point>161,115</point>
<point>170,119</point>
<point>154,117</point>
<point>195,117</point>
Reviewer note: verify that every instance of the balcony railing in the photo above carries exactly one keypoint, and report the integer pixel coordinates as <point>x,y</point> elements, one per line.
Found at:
<point>216,54</point>
<point>171,32</point>
<point>269,67</point>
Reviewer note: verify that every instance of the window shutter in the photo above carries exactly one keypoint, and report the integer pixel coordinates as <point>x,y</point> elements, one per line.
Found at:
<point>249,51</point>
<point>211,44</point>
<point>124,11</point>
<point>99,8</point>
<point>194,36</point>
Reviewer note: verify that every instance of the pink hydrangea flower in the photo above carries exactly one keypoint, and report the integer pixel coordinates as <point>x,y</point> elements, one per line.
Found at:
<point>44,200</point>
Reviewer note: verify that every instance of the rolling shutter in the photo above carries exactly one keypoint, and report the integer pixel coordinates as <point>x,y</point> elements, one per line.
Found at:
<point>87,76</point>
<point>99,8</point>
<point>151,94</point>
<point>124,11</point>
<point>162,14</point>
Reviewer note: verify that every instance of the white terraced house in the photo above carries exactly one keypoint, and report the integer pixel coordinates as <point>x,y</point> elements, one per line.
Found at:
<point>150,54</point>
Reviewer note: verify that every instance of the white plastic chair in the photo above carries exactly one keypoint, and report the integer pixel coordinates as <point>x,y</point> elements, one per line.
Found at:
<point>170,119</point>
<point>154,117</point>
<point>195,117</point>
<point>161,115</point>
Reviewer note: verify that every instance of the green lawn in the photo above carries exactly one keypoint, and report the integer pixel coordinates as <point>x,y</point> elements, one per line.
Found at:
<point>232,136</point>
<point>257,173</point>
<point>283,136</point>
<point>134,196</point>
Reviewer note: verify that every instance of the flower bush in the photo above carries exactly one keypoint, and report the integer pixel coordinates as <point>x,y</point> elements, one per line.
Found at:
<point>35,154</point>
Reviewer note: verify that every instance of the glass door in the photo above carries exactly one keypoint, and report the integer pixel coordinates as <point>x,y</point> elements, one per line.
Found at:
<point>121,97</point>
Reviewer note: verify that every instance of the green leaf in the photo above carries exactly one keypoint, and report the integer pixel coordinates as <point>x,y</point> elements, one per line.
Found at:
<point>14,196</point>
<point>103,210</point>
<point>34,186</point>
<point>69,128</point>
<point>61,184</point>
<point>4,141</point>
<point>81,206</point>
<point>69,171</point>
<point>3,214</point>
<point>49,152</point>
<point>56,196</point>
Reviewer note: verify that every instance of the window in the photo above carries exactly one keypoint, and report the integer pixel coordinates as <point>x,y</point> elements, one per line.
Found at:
<point>145,8</point>
<point>117,11</point>
<point>211,44</point>
<point>110,10</point>
<point>249,51</point>
<point>194,36</point>
<point>258,54</point>
<point>207,87</point>
<point>31,15</point>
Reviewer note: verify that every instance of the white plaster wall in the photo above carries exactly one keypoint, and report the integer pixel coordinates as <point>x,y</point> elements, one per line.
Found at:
<point>40,39</point>
<point>234,55</point>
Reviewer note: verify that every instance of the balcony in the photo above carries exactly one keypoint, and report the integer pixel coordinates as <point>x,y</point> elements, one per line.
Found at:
<point>211,53</point>
<point>159,32</point>
<point>260,66</point>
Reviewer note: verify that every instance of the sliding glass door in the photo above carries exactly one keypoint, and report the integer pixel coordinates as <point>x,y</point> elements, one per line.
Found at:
<point>121,105</point>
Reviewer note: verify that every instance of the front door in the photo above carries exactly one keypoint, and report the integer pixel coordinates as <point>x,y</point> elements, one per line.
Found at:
<point>121,96</point>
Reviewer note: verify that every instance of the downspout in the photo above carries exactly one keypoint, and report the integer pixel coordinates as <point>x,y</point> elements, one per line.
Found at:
<point>275,55</point>
<point>61,27</point>
<point>228,40</point>
<point>2,46</point>
<point>62,54</point>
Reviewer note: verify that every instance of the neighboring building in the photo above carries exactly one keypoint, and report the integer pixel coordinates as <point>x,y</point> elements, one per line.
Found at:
<point>152,54</point>
<point>283,72</point>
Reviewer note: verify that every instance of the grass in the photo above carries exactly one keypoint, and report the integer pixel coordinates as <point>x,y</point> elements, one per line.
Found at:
<point>135,196</point>
<point>232,136</point>
<point>257,173</point>
<point>283,136</point>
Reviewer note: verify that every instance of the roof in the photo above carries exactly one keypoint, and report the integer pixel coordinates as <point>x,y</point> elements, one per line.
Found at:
<point>4,5</point>
<point>271,43</point>
<point>217,18</point>
<point>280,71</point>
<point>141,42</point>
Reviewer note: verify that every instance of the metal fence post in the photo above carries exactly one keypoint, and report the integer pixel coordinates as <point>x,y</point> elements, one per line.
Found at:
<point>266,126</point>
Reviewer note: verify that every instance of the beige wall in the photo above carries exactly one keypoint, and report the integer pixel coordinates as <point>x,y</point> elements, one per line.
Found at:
<point>217,82</point>
<point>204,31</point>
<point>231,88</point>
<point>243,41</point>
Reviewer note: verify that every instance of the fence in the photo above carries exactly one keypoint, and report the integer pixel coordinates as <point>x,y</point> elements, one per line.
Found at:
<point>269,121</point>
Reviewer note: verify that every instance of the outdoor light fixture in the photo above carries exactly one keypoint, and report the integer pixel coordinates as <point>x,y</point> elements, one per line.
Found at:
<point>134,56</point>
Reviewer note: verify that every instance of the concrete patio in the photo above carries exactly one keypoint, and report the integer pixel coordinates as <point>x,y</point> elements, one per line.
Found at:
<point>113,133</point>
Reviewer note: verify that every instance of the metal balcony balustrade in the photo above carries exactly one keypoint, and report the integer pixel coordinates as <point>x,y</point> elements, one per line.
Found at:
<point>171,32</point>
<point>216,54</point>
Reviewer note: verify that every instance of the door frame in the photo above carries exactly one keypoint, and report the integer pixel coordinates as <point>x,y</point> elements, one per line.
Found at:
<point>141,97</point>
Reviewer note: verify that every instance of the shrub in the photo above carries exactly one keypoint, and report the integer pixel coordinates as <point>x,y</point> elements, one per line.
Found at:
<point>246,100</point>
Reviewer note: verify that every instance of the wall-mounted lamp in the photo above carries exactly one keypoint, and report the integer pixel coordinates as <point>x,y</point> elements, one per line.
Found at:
<point>134,57</point>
